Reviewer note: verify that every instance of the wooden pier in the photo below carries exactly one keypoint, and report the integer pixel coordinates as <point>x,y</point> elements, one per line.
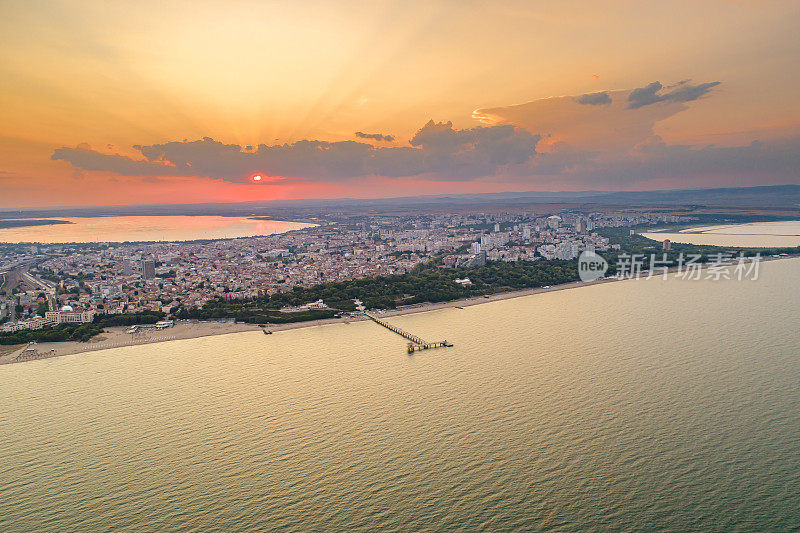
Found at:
<point>427,346</point>
<point>416,344</point>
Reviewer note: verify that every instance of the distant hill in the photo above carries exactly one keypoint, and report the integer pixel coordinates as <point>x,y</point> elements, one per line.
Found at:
<point>768,196</point>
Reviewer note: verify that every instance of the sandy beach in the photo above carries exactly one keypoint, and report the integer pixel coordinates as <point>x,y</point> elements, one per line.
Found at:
<point>117,336</point>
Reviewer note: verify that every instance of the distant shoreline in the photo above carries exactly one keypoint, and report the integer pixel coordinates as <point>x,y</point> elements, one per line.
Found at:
<point>703,229</point>
<point>14,223</point>
<point>117,338</point>
<point>131,237</point>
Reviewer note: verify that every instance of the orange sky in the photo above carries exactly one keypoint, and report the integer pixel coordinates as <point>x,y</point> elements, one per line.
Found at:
<point>107,76</point>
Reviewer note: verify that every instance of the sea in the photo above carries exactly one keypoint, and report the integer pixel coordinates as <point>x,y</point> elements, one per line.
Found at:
<point>146,228</point>
<point>638,405</point>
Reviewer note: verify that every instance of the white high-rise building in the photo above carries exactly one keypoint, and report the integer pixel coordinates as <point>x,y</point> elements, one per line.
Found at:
<point>567,250</point>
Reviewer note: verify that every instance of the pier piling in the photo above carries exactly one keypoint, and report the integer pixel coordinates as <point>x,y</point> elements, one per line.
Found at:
<point>416,344</point>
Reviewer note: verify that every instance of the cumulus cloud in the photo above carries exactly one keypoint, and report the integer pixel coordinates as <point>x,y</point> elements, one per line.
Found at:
<point>601,98</point>
<point>777,159</point>
<point>474,152</point>
<point>609,125</point>
<point>437,151</point>
<point>84,158</point>
<point>597,140</point>
<point>615,145</point>
<point>682,92</point>
<point>375,136</point>
<point>657,163</point>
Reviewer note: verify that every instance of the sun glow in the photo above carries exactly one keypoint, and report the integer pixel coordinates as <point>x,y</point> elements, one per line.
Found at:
<point>257,178</point>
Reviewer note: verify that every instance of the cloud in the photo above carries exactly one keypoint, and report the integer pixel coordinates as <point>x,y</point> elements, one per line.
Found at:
<point>437,151</point>
<point>375,136</point>
<point>656,163</point>
<point>777,160</point>
<point>474,152</point>
<point>84,158</point>
<point>613,146</point>
<point>603,140</point>
<point>684,92</point>
<point>609,125</point>
<point>601,98</point>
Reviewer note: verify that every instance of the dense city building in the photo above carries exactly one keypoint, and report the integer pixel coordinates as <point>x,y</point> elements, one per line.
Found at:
<point>73,283</point>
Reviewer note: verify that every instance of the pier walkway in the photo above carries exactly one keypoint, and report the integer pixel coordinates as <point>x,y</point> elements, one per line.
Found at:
<point>416,344</point>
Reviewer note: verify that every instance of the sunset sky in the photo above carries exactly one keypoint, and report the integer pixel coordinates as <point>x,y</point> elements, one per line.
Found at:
<point>171,102</point>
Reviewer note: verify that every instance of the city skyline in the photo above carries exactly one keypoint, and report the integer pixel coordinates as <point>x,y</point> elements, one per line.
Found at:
<point>107,104</point>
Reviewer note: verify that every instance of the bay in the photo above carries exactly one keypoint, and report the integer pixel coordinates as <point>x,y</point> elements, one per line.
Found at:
<point>146,228</point>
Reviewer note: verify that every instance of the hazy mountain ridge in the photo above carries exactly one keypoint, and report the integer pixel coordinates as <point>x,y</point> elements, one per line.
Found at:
<point>779,196</point>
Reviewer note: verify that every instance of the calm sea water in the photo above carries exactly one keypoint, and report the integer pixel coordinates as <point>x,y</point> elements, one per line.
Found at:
<point>757,234</point>
<point>144,228</point>
<point>630,406</point>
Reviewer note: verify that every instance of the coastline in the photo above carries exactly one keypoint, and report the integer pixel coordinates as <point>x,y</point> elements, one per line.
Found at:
<point>116,337</point>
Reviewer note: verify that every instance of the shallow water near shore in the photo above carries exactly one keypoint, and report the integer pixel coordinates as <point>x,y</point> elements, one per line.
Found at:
<point>635,405</point>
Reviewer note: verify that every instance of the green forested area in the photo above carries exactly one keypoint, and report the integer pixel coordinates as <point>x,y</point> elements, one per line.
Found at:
<point>59,333</point>
<point>129,319</point>
<point>425,283</point>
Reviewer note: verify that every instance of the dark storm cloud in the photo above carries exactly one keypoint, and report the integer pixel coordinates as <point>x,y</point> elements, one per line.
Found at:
<point>375,136</point>
<point>437,151</point>
<point>601,98</point>
<point>682,92</point>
